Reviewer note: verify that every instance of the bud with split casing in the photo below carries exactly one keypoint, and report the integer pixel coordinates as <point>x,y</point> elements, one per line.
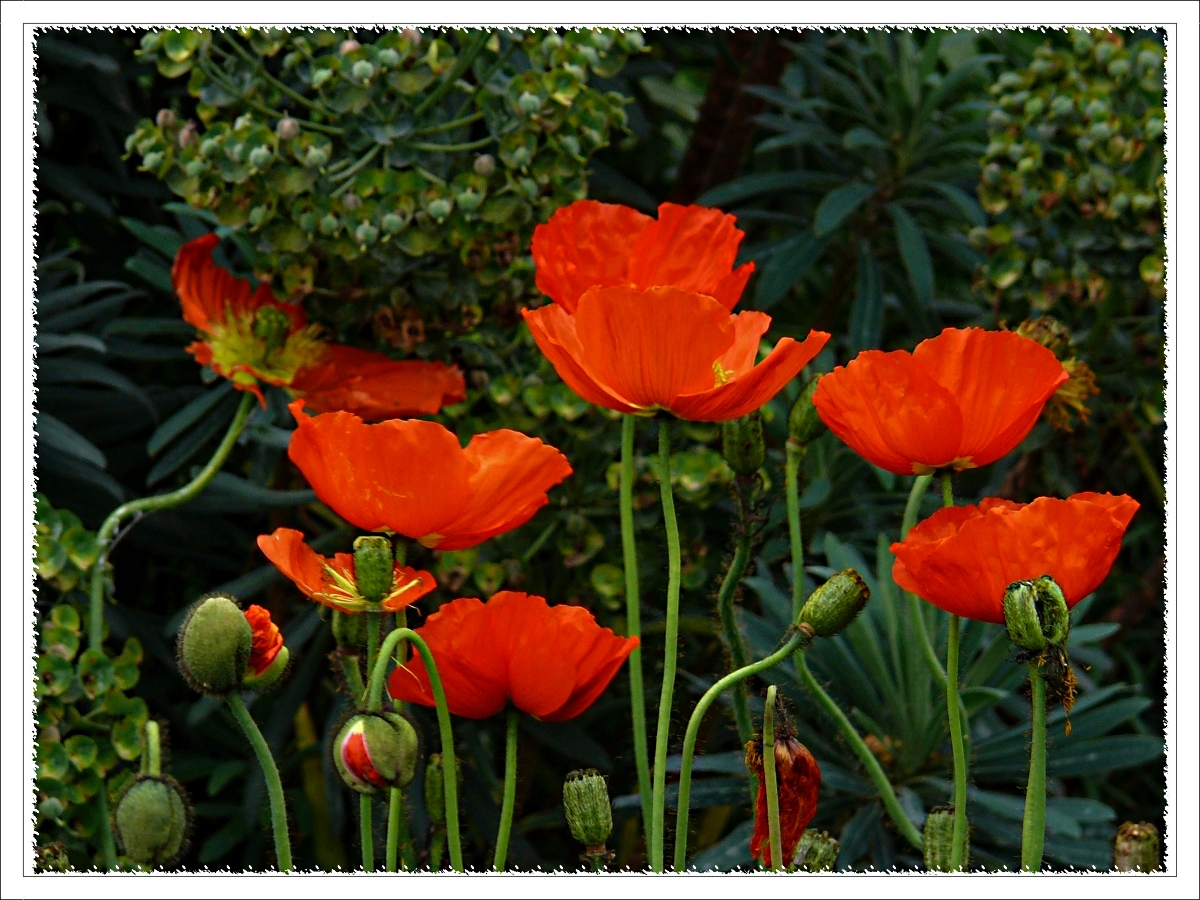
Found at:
<point>214,646</point>
<point>1036,614</point>
<point>374,751</point>
<point>1135,848</point>
<point>835,604</point>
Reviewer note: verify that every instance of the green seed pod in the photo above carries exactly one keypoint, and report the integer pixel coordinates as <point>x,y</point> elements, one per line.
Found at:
<point>366,233</point>
<point>362,70</point>
<point>485,164</point>
<point>938,840</point>
<point>1036,614</point>
<point>214,646</point>
<point>259,157</point>
<point>287,128</point>
<point>387,57</point>
<point>529,103</point>
<point>316,156</point>
<point>393,223</point>
<point>804,423</point>
<point>435,789</point>
<point>833,606</point>
<point>329,224</point>
<point>350,631</point>
<point>374,751</point>
<point>373,566</point>
<point>272,324</point>
<point>152,820</point>
<point>152,160</point>
<point>817,851</point>
<point>440,208</point>
<point>587,807</point>
<point>742,444</point>
<point>1135,848</point>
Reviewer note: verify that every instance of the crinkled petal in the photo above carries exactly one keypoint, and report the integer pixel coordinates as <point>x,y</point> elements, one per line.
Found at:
<point>553,330</point>
<point>748,330</point>
<point>303,566</point>
<point>208,293</point>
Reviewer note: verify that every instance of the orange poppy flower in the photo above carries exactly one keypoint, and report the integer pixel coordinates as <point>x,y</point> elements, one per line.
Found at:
<point>960,400</point>
<point>551,662</point>
<point>797,780</point>
<point>330,580</point>
<point>963,558</point>
<point>412,477</point>
<point>636,350</point>
<point>249,336</point>
<point>265,640</point>
<point>590,244</point>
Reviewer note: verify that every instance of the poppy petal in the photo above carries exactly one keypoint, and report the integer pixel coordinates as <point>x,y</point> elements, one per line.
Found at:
<point>408,586</point>
<point>595,669</point>
<point>208,294</point>
<point>748,330</point>
<point>540,651</point>
<point>303,566</point>
<point>553,330</point>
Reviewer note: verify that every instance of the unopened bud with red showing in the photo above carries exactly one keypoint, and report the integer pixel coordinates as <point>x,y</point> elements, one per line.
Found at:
<point>587,808</point>
<point>817,851</point>
<point>268,655</point>
<point>152,820</point>
<point>374,751</point>
<point>1135,848</point>
<point>214,646</point>
<point>835,604</point>
<point>1036,614</point>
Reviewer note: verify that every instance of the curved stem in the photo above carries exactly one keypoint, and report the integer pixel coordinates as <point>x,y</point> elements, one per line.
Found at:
<point>341,177</point>
<point>429,147</point>
<point>465,58</point>
<point>671,651</point>
<point>1033,828</point>
<point>770,782</point>
<point>868,759</point>
<point>956,744</point>
<point>449,761</point>
<point>449,126</point>
<point>795,453</point>
<point>152,760</point>
<point>154,504</point>
<point>795,642</point>
<point>283,846</point>
<point>512,718</point>
<point>633,628</point>
<point>283,88</point>
<point>733,638</point>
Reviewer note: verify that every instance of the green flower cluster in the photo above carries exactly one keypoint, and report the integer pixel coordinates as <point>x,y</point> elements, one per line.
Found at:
<point>1073,172</point>
<point>65,549</point>
<point>407,171</point>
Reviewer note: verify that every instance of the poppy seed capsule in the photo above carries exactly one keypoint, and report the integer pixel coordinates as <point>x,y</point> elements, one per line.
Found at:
<point>833,606</point>
<point>350,631</point>
<point>214,646</point>
<point>373,566</point>
<point>817,851</point>
<point>804,424</point>
<point>374,751</point>
<point>152,820</point>
<point>587,808</point>
<point>937,839</point>
<point>1036,614</point>
<point>1135,848</point>
<point>742,444</point>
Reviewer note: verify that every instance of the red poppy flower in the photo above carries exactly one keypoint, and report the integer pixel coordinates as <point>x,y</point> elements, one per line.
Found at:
<point>551,662</point>
<point>412,477</point>
<point>797,780</point>
<point>590,244</point>
<point>963,558</point>
<point>330,580</point>
<point>962,399</point>
<point>249,336</point>
<point>265,640</point>
<point>637,350</point>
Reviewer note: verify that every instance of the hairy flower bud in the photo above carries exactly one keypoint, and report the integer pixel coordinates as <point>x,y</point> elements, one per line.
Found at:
<point>742,444</point>
<point>817,851</point>
<point>1135,848</point>
<point>373,751</point>
<point>834,605</point>
<point>373,566</point>
<point>214,646</point>
<point>1036,614</point>
<point>937,838</point>
<point>152,820</point>
<point>268,656</point>
<point>588,810</point>
<point>350,631</point>
<point>804,424</point>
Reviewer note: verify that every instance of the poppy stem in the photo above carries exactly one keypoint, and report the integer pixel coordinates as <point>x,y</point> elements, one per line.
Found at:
<point>671,649</point>
<point>375,700</point>
<point>1033,829</point>
<point>633,617</point>
<point>365,825</point>
<point>770,782</point>
<point>283,847</point>
<point>511,720</point>
<point>397,831</point>
<point>868,759</point>
<point>737,647</point>
<point>956,743</point>
<point>795,453</point>
<point>912,509</point>
<point>795,642</point>
<point>152,757</point>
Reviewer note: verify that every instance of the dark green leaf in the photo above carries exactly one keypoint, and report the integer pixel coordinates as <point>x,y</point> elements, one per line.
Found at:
<point>49,302</point>
<point>731,852</point>
<point>222,842</point>
<point>228,493</point>
<point>154,272</point>
<point>914,251</point>
<point>192,442</point>
<point>838,204</point>
<point>1106,754</point>
<point>857,138</point>
<point>855,838</point>
<point>49,343</point>
<point>788,264</point>
<point>866,316</point>
<point>166,241</point>
<point>135,327</point>
<point>967,205</point>
<point>767,183</point>
<point>71,370</point>
<point>186,417</point>
<point>59,434</point>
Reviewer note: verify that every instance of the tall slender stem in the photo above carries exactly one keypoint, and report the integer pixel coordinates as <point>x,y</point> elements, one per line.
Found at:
<point>512,719</point>
<point>956,744</point>
<point>365,824</point>
<point>733,637</point>
<point>794,643</point>
<point>671,651</point>
<point>1033,828</point>
<point>868,759</point>
<point>633,628</point>
<point>795,453</point>
<point>770,782</point>
<point>152,760</point>
<point>283,846</point>
<point>107,845</point>
<point>397,830</point>
<point>911,510</point>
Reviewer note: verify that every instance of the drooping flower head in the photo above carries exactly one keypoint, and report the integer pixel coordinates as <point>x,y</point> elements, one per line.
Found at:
<point>551,662</point>
<point>331,581</point>
<point>411,477</point>
<point>265,639</point>
<point>960,400</point>
<point>250,337</point>
<point>963,558</point>
<point>797,780</point>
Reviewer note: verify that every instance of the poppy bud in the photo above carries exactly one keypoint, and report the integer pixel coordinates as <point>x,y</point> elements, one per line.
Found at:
<point>287,128</point>
<point>1036,614</point>
<point>485,164</point>
<point>373,566</point>
<point>937,838</point>
<point>374,751</point>
<point>833,606</point>
<point>350,631</point>
<point>817,851</point>
<point>588,811</point>
<point>742,444</point>
<point>152,820</point>
<point>272,325</point>
<point>165,118</point>
<point>214,646</point>
<point>268,655</point>
<point>1135,848</point>
<point>804,424</point>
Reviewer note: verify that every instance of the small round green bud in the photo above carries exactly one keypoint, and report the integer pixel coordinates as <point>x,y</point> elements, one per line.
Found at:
<point>468,201</point>
<point>374,751</point>
<point>529,103</point>
<point>287,128</point>
<point>350,631</point>
<point>834,605</point>
<point>742,444</point>
<point>485,164</point>
<point>320,76</point>
<point>937,839</point>
<point>392,223</point>
<point>307,222</point>
<point>587,807</point>
<point>804,423</point>
<point>440,208</point>
<point>1036,614</point>
<point>152,160</point>
<point>260,156</point>
<point>272,325</point>
<point>817,851</point>
<point>366,233</point>
<point>362,70</point>
<point>330,224</point>
<point>152,820</point>
<point>348,46</point>
<point>210,147</point>
<point>373,566</point>
<point>1135,848</point>
<point>258,215</point>
<point>387,57</point>
<point>214,646</point>
<point>194,168</point>
<point>316,156</point>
